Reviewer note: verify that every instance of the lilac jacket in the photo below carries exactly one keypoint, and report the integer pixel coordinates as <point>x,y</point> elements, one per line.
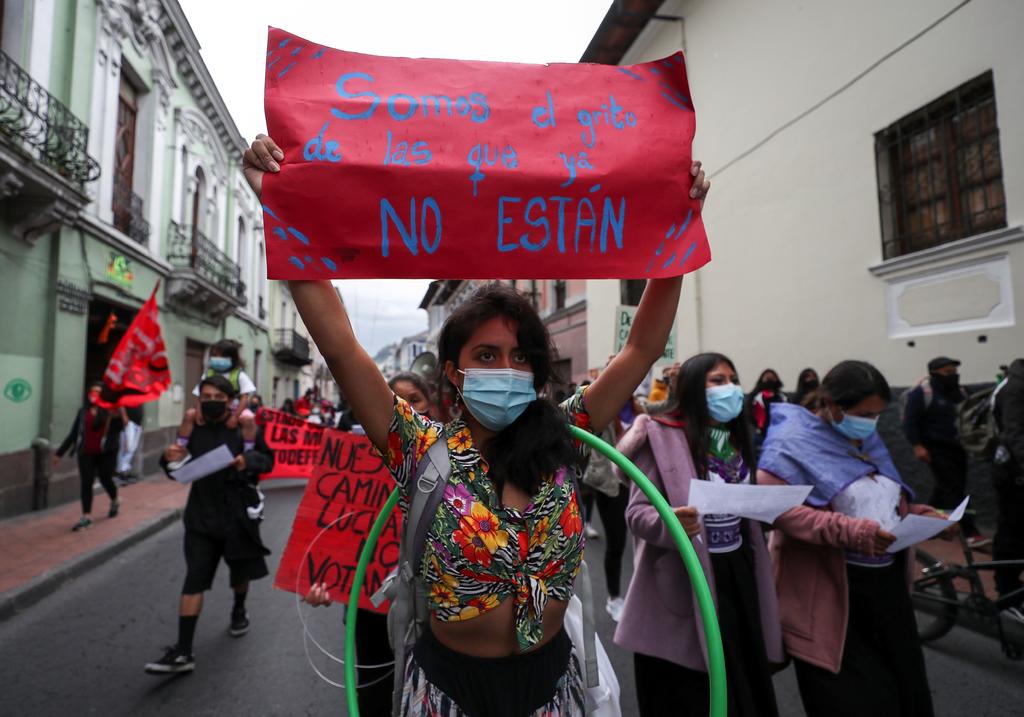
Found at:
<point>661,617</point>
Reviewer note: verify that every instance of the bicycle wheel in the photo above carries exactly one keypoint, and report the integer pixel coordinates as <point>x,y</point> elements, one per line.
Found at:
<point>930,591</point>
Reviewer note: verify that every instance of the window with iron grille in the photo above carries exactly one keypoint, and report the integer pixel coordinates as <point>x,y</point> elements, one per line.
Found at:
<point>940,176</point>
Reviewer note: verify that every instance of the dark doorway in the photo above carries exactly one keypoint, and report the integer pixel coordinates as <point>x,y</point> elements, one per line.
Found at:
<point>194,354</point>
<point>107,324</point>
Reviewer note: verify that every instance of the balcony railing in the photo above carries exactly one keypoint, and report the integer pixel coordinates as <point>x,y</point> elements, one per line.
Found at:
<point>291,347</point>
<point>30,114</point>
<point>189,248</point>
<point>262,308</point>
<point>128,215</point>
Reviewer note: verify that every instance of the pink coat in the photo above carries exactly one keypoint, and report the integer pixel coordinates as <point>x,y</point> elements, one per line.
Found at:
<point>660,617</point>
<point>810,575</point>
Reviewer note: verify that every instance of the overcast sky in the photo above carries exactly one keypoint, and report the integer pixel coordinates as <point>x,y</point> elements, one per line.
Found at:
<point>234,39</point>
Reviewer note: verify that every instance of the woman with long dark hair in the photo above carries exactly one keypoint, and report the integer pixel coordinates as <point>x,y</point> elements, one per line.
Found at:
<point>806,383</point>
<point>506,542</point>
<point>706,437</point>
<point>767,391</point>
<point>94,438</point>
<point>847,619</point>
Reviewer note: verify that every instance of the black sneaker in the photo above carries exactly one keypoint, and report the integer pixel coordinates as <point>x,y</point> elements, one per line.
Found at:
<point>239,623</point>
<point>115,506</point>
<point>82,524</point>
<point>175,660</point>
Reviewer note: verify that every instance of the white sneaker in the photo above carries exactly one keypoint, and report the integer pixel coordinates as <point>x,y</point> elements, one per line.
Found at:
<point>614,607</point>
<point>1014,614</point>
<point>592,532</point>
<point>175,465</point>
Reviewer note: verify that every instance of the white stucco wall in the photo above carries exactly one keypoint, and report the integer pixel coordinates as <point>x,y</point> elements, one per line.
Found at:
<point>794,227</point>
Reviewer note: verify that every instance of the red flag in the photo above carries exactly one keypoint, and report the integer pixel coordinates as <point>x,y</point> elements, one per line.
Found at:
<point>138,370</point>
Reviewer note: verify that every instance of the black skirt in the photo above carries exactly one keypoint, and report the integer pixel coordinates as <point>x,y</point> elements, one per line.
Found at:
<point>663,687</point>
<point>882,673</point>
<point>514,686</point>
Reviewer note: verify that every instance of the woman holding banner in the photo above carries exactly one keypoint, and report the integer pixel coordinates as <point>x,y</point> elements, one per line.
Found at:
<point>704,437</point>
<point>847,619</point>
<point>506,542</point>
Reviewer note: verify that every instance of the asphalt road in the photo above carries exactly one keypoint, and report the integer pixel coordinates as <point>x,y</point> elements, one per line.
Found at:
<point>81,650</point>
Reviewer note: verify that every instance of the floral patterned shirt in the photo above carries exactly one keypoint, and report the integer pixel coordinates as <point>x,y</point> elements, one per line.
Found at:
<point>479,552</point>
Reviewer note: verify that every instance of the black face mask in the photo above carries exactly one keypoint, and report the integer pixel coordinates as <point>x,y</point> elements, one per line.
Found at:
<point>772,385</point>
<point>213,410</point>
<point>811,385</point>
<point>949,383</point>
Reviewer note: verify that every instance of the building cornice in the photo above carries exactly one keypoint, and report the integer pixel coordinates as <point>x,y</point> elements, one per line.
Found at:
<point>952,250</point>
<point>186,50</point>
<point>107,233</point>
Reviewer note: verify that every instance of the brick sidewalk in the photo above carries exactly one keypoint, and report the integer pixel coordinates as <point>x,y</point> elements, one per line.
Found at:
<point>40,548</point>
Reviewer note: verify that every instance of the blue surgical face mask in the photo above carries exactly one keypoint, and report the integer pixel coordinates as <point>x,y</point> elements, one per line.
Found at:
<point>497,396</point>
<point>856,428</point>
<point>725,402</point>
<point>220,364</point>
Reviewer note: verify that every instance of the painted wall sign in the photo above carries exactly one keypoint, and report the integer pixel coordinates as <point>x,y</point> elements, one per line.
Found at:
<point>422,168</point>
<point>18,390</point>
<point>119,270</point>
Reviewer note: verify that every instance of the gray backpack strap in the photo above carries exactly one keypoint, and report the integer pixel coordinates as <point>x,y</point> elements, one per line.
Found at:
<point>409,608</point>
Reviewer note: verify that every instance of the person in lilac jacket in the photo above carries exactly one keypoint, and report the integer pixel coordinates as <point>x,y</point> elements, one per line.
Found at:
<point>705,437</point>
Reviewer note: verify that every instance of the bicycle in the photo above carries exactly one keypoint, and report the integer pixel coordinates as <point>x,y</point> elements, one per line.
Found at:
<point>937,593</point>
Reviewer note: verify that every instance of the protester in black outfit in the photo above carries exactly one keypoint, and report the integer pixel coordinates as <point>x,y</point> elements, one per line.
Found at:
<point>929,423</point>
<point>806,382</point>
<point>222,519</point>
<point>95,437</point>
<point>1008,478</point>
<point>767,390</point>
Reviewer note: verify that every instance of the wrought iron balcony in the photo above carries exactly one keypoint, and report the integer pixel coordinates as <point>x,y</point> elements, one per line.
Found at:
<point>190,248</point>
<point>31,115</point>
<point>262,309</point>
<point>291,348</point>
<point>129,217</point>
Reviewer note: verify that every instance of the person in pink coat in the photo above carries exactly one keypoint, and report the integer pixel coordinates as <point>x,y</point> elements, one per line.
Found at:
<point>844,602</point>
<point>705,437</point>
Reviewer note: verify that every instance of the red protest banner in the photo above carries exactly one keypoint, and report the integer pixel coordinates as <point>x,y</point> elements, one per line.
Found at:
<point>342,499</point>
<point>295,442</point>
<point>137,372</point>
<point>438,169</point>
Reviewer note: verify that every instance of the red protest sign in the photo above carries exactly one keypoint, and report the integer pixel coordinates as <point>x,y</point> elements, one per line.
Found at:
<point>342,499</point>
<point>439,169</point>
<point>295,442</point>
<point>137,372</point>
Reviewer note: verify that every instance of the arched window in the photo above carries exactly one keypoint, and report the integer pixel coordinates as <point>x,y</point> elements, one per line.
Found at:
<point>199,202</point>
<point>242,248</point>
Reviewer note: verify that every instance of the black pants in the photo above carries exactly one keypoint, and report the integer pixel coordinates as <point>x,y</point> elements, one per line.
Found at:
<point>613,517</point>
<point>665,688</point>
<point>1009,539</point>
<point>91,465</point>
<point>373,648</point>
<point>949,468</point>
<point>882,673</point>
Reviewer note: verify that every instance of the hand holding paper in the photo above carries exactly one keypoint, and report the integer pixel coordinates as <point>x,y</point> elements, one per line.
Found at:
<point>914,529</point>
<point>756,502</point>
<point>206,464</point>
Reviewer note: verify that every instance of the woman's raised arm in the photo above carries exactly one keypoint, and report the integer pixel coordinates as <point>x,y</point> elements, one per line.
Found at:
<point>647,337</point>
<point>357,375</point>
<point>325,317</point>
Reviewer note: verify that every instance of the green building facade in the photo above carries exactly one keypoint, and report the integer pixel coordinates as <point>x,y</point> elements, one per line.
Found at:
<point>119,173</point>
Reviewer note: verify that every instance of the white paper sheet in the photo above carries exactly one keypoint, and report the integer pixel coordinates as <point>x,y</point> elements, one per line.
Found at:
<point>757,502</point>
<point>915,528</point>
<point>206,464</point>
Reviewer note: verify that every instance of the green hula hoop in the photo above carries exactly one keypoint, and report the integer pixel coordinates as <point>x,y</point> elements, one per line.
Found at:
<point>705,603</point>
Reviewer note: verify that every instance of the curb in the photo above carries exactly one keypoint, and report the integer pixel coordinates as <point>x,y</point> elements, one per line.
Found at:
<point>15,601</point>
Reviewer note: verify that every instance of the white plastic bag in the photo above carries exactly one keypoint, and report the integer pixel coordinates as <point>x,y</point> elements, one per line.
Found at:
<point>602,700</point>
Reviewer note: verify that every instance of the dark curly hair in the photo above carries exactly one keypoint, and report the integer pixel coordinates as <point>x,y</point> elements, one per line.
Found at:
<point>538,442</point>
